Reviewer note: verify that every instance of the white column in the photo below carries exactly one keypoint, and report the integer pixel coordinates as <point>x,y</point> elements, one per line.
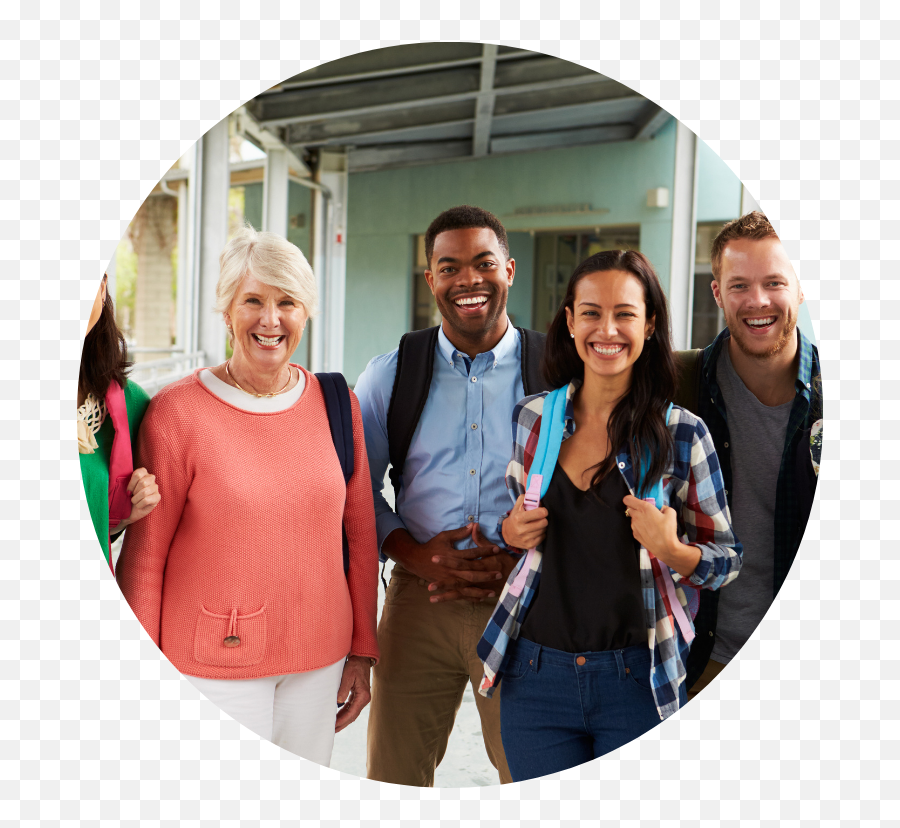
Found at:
<point>275,192</point>
<point>684,237</point>
<point>333,175</point>
<point>182,294</point>
<point>319,234</point>
<point>211,180</point>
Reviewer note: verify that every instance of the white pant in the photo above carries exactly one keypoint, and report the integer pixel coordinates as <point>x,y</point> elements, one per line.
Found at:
<point>295,711</point>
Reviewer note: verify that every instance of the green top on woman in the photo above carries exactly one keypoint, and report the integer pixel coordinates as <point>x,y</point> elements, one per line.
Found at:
<point>95,467</point>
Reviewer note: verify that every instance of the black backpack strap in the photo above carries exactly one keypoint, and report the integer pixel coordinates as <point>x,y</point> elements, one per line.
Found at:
<point>532,353</point>
<point>412,382</point>
<point>340,420</point>
<point>687,394</point>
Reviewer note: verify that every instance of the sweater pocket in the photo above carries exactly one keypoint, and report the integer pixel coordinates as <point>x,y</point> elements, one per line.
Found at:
<point>230,640</point>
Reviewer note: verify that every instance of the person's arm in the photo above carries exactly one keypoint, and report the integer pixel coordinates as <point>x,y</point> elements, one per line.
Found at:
<point>712,555</point>
<point>140,568</point>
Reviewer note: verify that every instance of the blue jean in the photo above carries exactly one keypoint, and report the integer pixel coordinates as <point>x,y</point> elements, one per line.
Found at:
<point>556,713</point>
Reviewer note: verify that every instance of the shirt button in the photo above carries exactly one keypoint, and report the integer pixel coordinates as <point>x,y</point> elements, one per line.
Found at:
<point>471,471</point>
<point>474,379</point>
<point>232,641</point>
<point>580,660</point>
<point>470,518</point>
<point>711,633</point>
<point>808,385</point>
<point>474,426</point>
<point>621,465</point>
<point>725,444</point>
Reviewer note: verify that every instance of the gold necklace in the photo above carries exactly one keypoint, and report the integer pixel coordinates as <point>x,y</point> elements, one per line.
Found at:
<point>253,393</point>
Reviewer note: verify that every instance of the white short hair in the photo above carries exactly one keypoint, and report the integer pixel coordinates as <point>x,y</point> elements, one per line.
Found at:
<point>273,260</point>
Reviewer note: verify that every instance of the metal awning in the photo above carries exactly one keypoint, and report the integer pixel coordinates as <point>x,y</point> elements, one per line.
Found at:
<point>429,102</point>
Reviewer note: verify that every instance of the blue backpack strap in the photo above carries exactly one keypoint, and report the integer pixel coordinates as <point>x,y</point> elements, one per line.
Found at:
<point>656,492</point>
<point>553,422</point>
<point>340,419</point>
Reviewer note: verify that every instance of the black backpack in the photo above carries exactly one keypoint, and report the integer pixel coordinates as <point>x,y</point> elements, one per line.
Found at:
<point>340,419</point>
<point>412,382</point>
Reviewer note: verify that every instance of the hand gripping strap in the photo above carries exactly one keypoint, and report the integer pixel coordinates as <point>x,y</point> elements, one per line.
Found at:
<point>655,496</point>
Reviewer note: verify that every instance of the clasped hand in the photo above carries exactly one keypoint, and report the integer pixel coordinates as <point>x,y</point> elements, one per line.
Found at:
<point>460,574</point>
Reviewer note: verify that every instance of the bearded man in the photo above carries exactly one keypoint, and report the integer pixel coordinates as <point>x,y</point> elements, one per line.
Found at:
<point>760,395</point>
<point>438,411</point>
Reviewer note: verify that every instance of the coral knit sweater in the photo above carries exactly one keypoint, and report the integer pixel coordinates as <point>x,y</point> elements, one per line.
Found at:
<point>246,539</point>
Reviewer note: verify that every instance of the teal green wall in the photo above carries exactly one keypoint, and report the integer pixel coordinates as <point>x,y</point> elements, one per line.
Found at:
<point>387,208</point>
<point>718,188</point>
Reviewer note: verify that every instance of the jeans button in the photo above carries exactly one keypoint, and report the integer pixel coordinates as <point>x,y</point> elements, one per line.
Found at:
<point>580,660</point>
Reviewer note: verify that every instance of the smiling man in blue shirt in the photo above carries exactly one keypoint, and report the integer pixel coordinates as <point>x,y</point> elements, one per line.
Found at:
<point>443,537</point>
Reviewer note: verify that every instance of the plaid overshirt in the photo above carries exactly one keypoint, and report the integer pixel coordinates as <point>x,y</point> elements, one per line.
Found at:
<point>692,485</point>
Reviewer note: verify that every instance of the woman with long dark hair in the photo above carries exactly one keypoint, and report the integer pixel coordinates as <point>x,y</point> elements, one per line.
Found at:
<point>592,631</point>
<point>110,410</point>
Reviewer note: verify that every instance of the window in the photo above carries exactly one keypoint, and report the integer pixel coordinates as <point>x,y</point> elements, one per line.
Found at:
<point>556,255</point>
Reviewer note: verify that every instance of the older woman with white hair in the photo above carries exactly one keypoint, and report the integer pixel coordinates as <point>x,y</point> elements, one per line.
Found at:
<point>238,575</point>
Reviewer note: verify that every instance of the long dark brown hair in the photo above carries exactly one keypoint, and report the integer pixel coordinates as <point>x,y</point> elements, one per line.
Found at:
<point>103,357</point>
<point>638,421</point>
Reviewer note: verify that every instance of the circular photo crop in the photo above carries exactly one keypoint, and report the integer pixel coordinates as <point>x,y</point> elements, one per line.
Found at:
<point>450,414</point>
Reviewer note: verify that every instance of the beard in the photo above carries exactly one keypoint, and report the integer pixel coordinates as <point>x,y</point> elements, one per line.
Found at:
<point>789,325</point>
<point>474,329</point>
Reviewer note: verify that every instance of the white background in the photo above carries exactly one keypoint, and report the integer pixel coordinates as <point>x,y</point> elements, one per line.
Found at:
<point>799,98</point>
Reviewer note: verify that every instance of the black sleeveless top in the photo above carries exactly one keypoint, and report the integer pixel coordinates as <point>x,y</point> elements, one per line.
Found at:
<point>589,596</point>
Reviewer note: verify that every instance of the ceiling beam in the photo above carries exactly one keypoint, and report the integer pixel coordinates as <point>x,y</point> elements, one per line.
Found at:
<point>380,157</point>
<point>484,104</point>
<point>375,74</point>
<point>394,106</point>
<point>571,116</point>
<point>618,110</point>
<point>653,120</point>
<point>562,138</point>
<point>438,131</point>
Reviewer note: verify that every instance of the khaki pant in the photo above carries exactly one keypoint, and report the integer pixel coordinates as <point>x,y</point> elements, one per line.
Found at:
<point>427,656</point>
<point>713,668</point>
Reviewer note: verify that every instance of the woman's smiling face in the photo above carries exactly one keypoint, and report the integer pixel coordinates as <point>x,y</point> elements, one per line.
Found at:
<point>609,322</point>
<point>266,323</point>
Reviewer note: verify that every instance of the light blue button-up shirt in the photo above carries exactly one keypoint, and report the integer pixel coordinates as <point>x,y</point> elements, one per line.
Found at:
<point>456,466</point>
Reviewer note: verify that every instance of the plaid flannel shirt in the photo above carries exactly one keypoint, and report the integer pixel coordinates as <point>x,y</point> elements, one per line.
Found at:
<point>692,485</point>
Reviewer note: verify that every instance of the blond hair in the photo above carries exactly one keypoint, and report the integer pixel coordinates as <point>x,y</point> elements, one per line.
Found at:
<point>273,260</point>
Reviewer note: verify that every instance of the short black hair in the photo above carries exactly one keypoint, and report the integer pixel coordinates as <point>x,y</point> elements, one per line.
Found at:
<point>464,217</point>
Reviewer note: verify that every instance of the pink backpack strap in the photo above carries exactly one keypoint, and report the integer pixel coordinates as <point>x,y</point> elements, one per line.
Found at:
<point>121,464</point>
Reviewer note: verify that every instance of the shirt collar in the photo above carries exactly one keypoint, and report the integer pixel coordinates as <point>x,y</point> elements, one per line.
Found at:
<point>503,348</point>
